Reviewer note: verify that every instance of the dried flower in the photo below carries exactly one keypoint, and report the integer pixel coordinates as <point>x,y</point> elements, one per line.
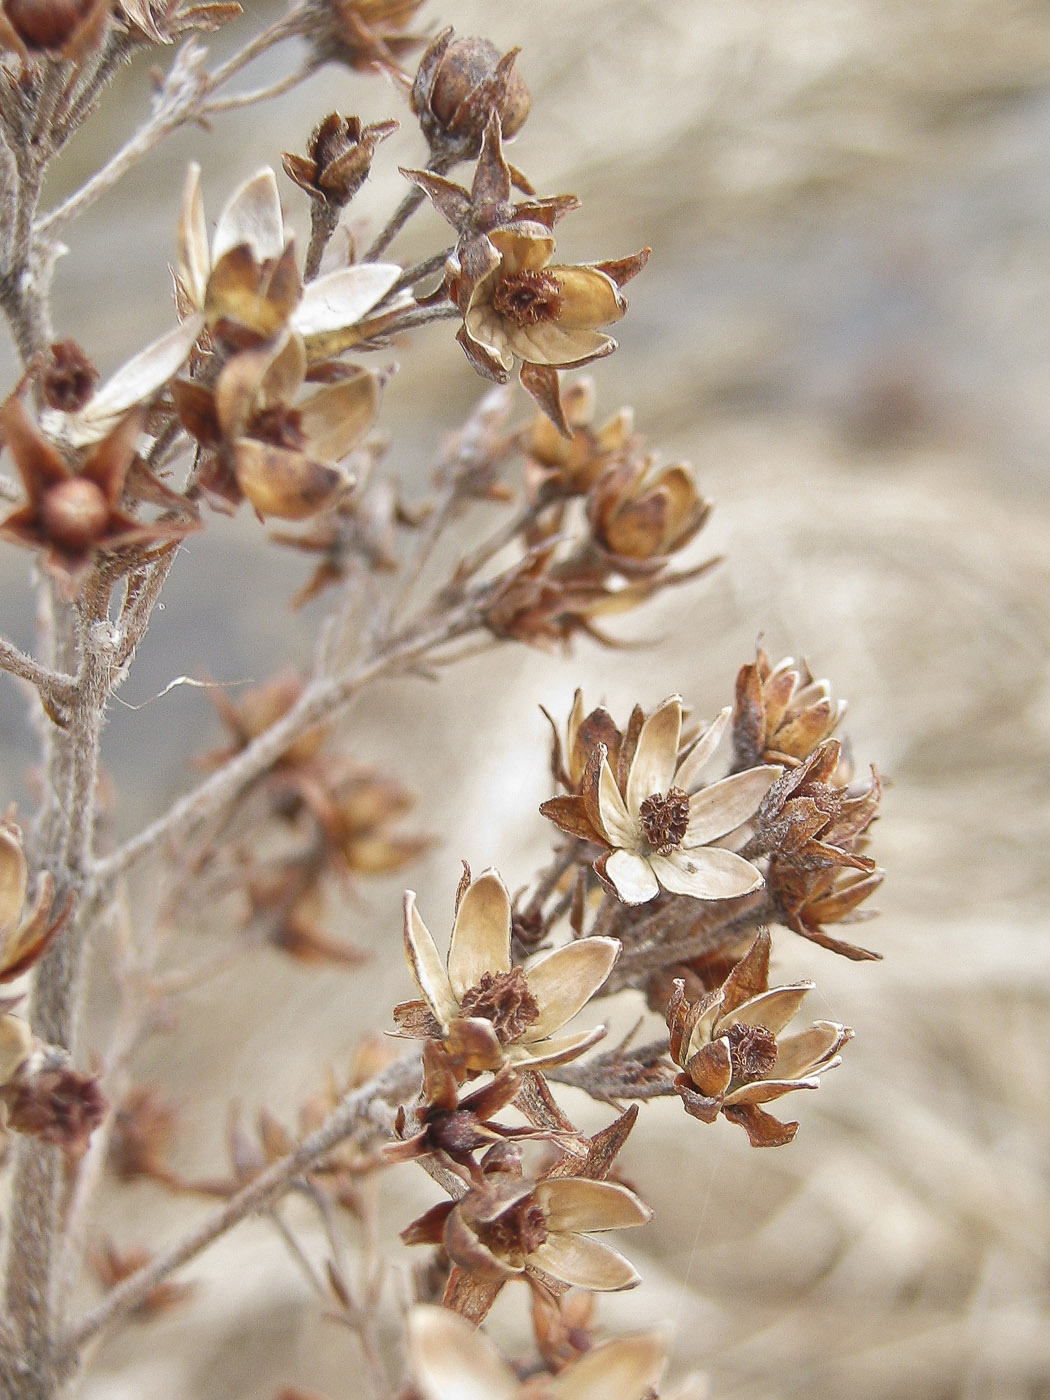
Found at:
<point>640,514</point>
<point>557,466</point>
<point>363,34</point>
<point>657,823</point>
<point>24,933</point>
<point>113,1265</point>
<point>497,1013</point>
<point>459,86</point>
<point>144,1129</point>
<point>254,711</point>
<point>734,1058</point>
<point>781,712</point>
<point>809,820</point>
<point>53,1102</point>
<point>338,158</point>
<point>68,378</point>
<point>449,1358</point>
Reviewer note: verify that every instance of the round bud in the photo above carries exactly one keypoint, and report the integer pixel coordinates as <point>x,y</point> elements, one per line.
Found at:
<point>74,514</point>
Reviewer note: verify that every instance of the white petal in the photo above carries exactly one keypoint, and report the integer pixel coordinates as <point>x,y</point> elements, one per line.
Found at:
<point>588,1263</point>
<point>544,1054</point>
<point>192,238</point>
<point>632,877</point>
<point>451,1360</point>
<point>137,380</point>
<point>653,765</point>
<point>252,216</point>
<point>627,1368</point>
<point>772,1009</point>
<point>564,981</point>
<point>616,821</point>
<point>342,298</point>
<point>706,873</point>
<point>481,933</point>
<point>701,752</point>
<point>720,808</point>
<point>578,1203</point>
<point>427,968</point>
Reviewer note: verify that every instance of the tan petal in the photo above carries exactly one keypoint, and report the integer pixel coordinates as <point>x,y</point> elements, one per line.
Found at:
<point>480,934</point>
<point>192,238</point>
<point>545,1054</point>
<point>811,1049</point>
<point>16,1041</point>
<point>337,416</point>
<point>589,298</point>
<point>252,216</point>
<point>342,298</point>
<point>627,1368</point>
<point>616,821</point>
<point>716,810</point>
<point>427,967</point>
<point>632,877</point>
<point>577,1203</point>
<point>586,1263</point>
<point>653,765</point>
<point>284,375</point>
<point>564,981</point>
<point>488,330</point>
<point>701,752</point>
<point>769,1090</point>
<point>772,1009</point>
<point>14,878</point>
<point>451,1360</point>
<point>282,482</point>
<point>522,251</point>
<point>706,873</point>
<point>551,343</point>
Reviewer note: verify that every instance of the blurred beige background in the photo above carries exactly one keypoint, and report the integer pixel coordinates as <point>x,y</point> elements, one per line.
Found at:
<point>844,325</point>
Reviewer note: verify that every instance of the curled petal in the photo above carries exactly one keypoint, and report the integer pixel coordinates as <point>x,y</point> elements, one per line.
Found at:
<point>521,250</point>
<point>772,1009</point>
<point>589,298</point>
<point>427,967</point>
<point>701,752</point>
<point>577,1203</point>
<point>551,343</point>
<point>545,1054</point>
<point>282,482</point>
<point>480,934</point>
<point>252,216</point>
<point>653,765</point>
<point>809,1050</point>
<point>337,416</point>
<point>615,819</point>
<point>626,1368</point>
<point>631,877</point>
<point>564,981</point>
<point>768,1090</point>
<point>706,873</point>
<point>584,1263</point>
<point>450,1358</point>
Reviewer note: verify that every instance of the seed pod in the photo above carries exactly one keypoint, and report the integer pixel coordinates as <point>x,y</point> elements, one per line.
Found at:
<point>460,83</point>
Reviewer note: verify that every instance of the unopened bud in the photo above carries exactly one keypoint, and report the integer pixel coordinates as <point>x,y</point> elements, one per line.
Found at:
<point>460,83</point>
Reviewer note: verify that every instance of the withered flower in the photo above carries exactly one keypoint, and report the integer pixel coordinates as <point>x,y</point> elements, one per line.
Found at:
<point>658,825</point>
<point>53,1101</point>
<point>807,900</point>
<point>511,1226</point>
<point>557,466</point>
<point>781,712</point>
<point>338,158</point>
<point>450,1358</point>
<point>459,86</point>
<point>640,514</point>
<point>74,511</point>
<point>24,932</point>
<point>254,711</point>
<point>358,809</point>
<point>363,34</point>
<point>732,1053</point>
<point>489,1011</point>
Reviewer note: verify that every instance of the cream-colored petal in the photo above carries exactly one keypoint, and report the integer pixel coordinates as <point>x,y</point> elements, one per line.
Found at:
<point>427,967</point>
<point>615,819</point>
<point>627,1368</point>
<point>706,873</point>
<point>480,934</point>
<point>134,383</point>
<point>337,416</point>
<point>284,375</point>
<point>284,482</point>
<point>14,878</point>
<point>688,774</point>
<point>489,330</point>
<point>809,1050</point>
<point>588,298</point>
<point>632,877</point>
<point>451,1360</point>
<point>653,765</point>
<point>772,1009</point>
<point>521,250</point>
<point>344,297</point>
<point>586,1263</point>
<point>191,252</point>
<point>577,1203</point>
<point>564,981</point>
<point>252,216</point>
<point>769,1090</point>
<point>718,809</point>
<point>544,1054</point>
<point>551,343</point>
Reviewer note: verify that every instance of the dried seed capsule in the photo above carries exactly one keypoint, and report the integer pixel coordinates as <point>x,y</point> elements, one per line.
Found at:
<point>460,83</point>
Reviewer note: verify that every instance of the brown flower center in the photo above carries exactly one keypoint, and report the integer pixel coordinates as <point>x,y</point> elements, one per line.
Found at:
<point>504,999</point>
<point>74,514</point>
<point>752,1051</point>
<point>280,426</point>
<point>527,297</point>
<point>517,1233</point>
<point>664,818</point>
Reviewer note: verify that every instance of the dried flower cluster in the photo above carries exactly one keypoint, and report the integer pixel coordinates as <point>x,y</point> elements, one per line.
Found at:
<point>665,879</point>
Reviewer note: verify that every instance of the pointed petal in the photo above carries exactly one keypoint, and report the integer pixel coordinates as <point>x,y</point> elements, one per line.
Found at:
<point>588,298</point>
<point>564,981</point>
<point>615,819</point>
<point>544,1054</point>
<point>701,753</point>
<point>522,250</point>
<point>283,482</point>
<point>192,238</point>
<point>450,1360</point>
<point>135,382</point>
<point>586,1263</point>
<point>576,1203</point>
<point>342,298</point>
<point>252,216</point>
<point>480,934</point>
<point>772,1009</point>
<point>427,967</point>
<point>769,1090</point>
<point>706,873</point>
<point>809,1050</point>
<point>653,765</point>
<point>550,343</point>
<point>337,416</point>
<point>716,810</point>
<point>763,1130</point>
<point>631,877</point>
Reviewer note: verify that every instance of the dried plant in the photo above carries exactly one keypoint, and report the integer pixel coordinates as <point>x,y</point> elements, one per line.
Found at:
<point>663,881</point>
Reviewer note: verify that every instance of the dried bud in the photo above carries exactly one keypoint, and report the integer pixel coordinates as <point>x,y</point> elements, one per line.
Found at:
<point>460,83</point>
<point>56,1103</point>
<point>338,159</point>
<point>69,378</point>
<point>65,27</point>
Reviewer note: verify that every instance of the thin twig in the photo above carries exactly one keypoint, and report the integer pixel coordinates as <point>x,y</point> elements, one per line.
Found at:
<point>54,687</point>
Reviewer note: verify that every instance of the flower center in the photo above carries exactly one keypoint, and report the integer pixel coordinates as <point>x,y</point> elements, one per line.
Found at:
<point>752,1051</point>
<point>527,297</point>
<point>664,818</point>
<point>280,426</point>
<point>516,1233</point>
<point>504,999</point>
<point>74,514</point>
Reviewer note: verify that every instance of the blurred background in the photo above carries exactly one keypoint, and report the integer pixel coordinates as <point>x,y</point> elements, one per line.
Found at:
<point>844,325</point>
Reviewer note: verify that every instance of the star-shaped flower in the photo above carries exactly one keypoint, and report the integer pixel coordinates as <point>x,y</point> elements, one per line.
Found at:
<point>487,1010</point>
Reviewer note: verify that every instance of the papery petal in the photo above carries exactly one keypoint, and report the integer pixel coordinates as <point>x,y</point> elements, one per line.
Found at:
<point>577,1203</point>
<point>427,967</point>
<point>701,752</point>
<point>627,1368</point>
<point>706,873</point>
<point>711,1068</point>
<point>521,251</point>
<point>768,1090</point>
<point>586,1263</point>
<point>633,878</point>
<point>652,768</point>
<point>772,1009</point>
<point>551,343</point>
<point>544,1054</point>
<point>283,482</point>
<point>480,934</point>
<point>451,1360</point>
<point>252,216</point>
<point>192,238</point>
<point>564,981</point>
<point>716,810</point>
<point>344,297</point>
<point>615,819</point>
<point>588,298</point>
<point>811,1049</point>
<point>337,416</point>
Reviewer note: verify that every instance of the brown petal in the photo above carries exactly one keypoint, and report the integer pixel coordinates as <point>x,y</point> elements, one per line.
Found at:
<point>762,1128</point>
<point>279,481</point>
